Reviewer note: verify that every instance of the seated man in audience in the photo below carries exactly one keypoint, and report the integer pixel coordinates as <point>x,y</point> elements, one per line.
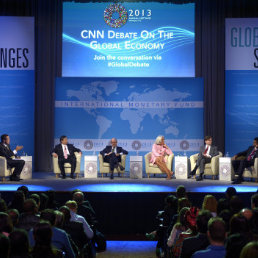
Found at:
<point>60,238</point>
<point>112,155</point>
<point>217,235</point>
<point>206,153</point>
<point>200,241</point>
<point>72,205</point>
<point>254,201</point>
<point>11,157</point>
<point>239,165</point>
<point>65,153</point>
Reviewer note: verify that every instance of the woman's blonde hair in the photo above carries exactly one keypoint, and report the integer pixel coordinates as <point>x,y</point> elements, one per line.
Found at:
<point>210,203</point>
<point>159,139</point>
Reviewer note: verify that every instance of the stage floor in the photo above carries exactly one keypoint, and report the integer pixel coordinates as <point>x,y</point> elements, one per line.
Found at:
<point>43,181</point>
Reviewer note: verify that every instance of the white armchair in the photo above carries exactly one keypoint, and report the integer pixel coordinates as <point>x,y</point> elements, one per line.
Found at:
<point>67,166</point>
<point>251,172</point>
<point>211,169</point>
<point>153,168</point>
<point>4,171</point>
<point>104,167</point>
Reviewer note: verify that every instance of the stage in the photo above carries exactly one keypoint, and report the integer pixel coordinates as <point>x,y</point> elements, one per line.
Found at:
<point>44,181</point>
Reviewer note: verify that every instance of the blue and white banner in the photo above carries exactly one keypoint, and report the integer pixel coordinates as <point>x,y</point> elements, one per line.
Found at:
<point>129,39</point>
<point>17,81</point>
<point>92,111</point>
<point>241,85</point>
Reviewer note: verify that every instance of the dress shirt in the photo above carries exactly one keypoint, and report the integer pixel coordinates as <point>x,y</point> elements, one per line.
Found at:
<point>87,229</point>
<point>63,146</point>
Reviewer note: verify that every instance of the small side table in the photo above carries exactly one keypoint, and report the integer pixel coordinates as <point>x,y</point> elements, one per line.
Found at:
<point>136,167</point>
<point>181,167</point>
<point>90,167</point>
<point>27,169</point>
<point>225,169</point>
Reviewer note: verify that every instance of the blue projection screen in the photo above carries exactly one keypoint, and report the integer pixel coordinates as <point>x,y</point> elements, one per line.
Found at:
<point>135,110</point>
<point>128,40</point>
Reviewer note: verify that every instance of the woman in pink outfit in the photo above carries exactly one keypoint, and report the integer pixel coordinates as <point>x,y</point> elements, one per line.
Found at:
<point>158,155</point>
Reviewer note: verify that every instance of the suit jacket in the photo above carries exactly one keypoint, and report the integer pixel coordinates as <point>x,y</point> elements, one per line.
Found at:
<point>5,152</point>
<point>59,150</point>
<point>213,150</point>
<point>247,152</point>
<point>109,148</point>
<point>194,244</point>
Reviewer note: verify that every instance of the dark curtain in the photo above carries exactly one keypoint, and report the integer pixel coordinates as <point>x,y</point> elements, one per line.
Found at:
<point>210,64</point>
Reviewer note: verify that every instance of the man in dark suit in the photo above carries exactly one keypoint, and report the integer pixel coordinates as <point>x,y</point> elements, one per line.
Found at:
<point>112,155</point>
<point>206,153</point>
<point>65,153</point>
<point>239,165</point>
<point>11,157</point>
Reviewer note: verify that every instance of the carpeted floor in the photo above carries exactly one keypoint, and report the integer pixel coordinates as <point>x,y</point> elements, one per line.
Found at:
<point>129,249</point>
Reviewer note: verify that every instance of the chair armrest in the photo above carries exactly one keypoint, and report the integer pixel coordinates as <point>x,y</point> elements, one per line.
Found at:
<point>3,165</point>
<point>101,159</point>
<point>193,159</point>
<point>215,163</point>
<point>55,165</point>
<point>78,162</point>
<point>147,159</point>
<point>169,161</point>
<point>255,171</point>
<point>123,158</point>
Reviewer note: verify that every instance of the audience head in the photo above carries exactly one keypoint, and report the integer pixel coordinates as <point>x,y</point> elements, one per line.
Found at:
<point>4,246</point>
<point>180,192</point>
<point>238,224</point>
<point>48,215</point>
<point>18,200</point>
<point>236,204</point>
<point>24,189</point>
<point>36,198</point>
<point>250,250</point>
<point>59,219</point>
<point>181,216</point>
<point>210,203</point>
<point>30,206</point>
<point>42,233</point>
<point>230,192</point>
<point>254,222</point>
<point>5,139</point>
<point>19,243</point>
<point>226,216</point>
<point>216,231</point>
<point>66,211</point>
<point>6,225</point>
<point>14,215</point>
<point>78,197</point>
<point>202,221</point>
<point>223,204</point>
<point>43,201</point>
<point>183,202</point>
<point>3,207</point>
<point>171,201</point>
<point>247,213</point>
<point>254,201</point>
<point>63,140</point>
<point>72,205</point>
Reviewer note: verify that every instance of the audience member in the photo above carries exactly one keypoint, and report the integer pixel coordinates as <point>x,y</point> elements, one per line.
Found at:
<point>226,216</point>
<point>43,202</point>
<point>181,192</point>
<point>18,201</point>
<point>200,241</point>
<point>236,204</point>
<point>19,244</point>
<point>14,216</point>
<point>29,218</point>
<point>42,234</point>
<point>4,246</point>
<point>217,235</point>
<point>60,239</point>
<point>254,201</point>
<point>6,225</point>
<point>3,206</point>
<point>25,190</point>
<point>250,250</point>
<point>210,204</point>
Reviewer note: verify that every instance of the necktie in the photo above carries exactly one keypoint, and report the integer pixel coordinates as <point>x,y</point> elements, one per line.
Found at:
<point>65,152</point>
<point>251,155</point>
<point>206,150</point>
<point>113,150</point>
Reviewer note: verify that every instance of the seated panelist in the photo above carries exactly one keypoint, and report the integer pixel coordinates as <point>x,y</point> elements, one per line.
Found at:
<point>112,155</point>
<point>65,153</point>
<point>12,159</point>
<point>158,155</point>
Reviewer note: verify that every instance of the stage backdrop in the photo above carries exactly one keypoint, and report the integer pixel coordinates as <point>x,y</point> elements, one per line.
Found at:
<point>241,96</point>
<point>135,110</point>
<point>138,39</point>
<point>17,81</point>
